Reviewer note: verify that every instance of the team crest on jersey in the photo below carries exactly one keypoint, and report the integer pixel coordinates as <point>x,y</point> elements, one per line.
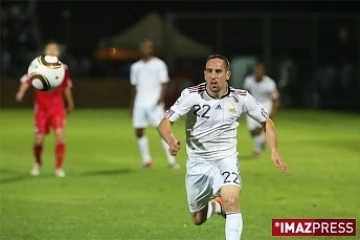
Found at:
<point>232,110</point>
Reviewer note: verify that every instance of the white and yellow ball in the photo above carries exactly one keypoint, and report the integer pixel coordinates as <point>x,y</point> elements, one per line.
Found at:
<point>46,73</point>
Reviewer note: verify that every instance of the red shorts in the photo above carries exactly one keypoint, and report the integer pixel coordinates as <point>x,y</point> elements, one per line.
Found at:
<point>44,120</point>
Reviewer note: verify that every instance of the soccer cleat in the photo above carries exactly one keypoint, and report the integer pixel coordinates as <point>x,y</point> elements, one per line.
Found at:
<point>59,173</point>
<point>174,166</point>
<point>35,171</point>
<point>220,201</point>
<point>148,164</point>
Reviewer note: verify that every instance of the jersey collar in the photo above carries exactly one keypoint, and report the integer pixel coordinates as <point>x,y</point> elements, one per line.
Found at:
<point>225,95</point>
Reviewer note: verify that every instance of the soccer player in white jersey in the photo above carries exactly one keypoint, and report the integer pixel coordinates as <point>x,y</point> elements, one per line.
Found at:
<point>263,89</point>
<point>212,110</point>
<point>149,77</point>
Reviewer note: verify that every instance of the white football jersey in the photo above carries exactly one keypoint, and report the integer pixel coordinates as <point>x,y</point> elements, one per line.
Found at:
<point>211,124</point>
<point>264,91</point>
<point>148,77</point>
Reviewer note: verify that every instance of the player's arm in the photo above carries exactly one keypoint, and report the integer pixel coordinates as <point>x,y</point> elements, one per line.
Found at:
<point>164,87</point>
<point>68,95</point>
<point>257,111</point>
<point>164,80</point>
<point>24,86</point>
<point>133,88</point>
<point>69,99</point>
<point>275,96</point>
<point>180,108</point>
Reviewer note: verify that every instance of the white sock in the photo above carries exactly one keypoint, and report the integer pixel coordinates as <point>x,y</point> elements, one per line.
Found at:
<point>144,149</point>
<point>213,207</point>
<point>233,226</point>
<point>171,159</point>
<point>259,142</point>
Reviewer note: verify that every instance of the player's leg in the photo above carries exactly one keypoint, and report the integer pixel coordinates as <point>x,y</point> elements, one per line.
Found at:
<point>230,180</point>
<point>255,130</point>
<point>198,182</point>
<point>41,129</point>
<point>155,117</point>
<point>140,123</point>
<point>58,124</point>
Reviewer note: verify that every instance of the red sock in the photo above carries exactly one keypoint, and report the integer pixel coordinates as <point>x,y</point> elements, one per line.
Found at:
<point>37,153</point>
<point>60,152</point>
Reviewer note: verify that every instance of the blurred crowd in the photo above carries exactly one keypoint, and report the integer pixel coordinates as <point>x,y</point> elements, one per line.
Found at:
<point>334,78</point>
<point>20,36</point>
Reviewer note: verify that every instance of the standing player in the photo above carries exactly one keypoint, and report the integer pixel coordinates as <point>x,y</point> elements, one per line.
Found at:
<point>263,88</point>
<point>149,78</point>
<point>212,110</point>
<point>49,113</point>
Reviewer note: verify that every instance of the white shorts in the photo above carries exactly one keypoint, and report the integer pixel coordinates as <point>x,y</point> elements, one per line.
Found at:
<point>145,116</point>
<point>204,179</point>
<point>253,124</point>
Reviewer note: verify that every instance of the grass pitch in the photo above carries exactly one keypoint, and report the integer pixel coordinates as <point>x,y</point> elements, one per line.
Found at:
<point>106,196</point>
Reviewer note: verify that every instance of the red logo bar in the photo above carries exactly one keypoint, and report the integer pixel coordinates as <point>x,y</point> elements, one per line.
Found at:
<point>313,227</point>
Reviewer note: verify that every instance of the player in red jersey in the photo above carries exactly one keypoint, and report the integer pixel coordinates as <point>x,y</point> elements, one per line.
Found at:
<point>49,112</point>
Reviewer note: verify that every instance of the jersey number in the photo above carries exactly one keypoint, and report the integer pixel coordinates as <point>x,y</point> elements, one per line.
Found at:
<point>205,109</point>
<point>227,176</point>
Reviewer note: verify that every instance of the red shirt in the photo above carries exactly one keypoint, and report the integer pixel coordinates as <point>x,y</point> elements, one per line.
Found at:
<point>53,99</point>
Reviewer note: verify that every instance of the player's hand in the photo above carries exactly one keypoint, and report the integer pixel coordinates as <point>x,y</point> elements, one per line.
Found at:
<point>19,96</point>
<point>275,157</point>
<point>70,108</point>
<point>174,147</point>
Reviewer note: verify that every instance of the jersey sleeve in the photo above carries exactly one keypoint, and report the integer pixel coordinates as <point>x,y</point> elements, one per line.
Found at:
<point>132,75</point>
<point>274,93</point>
<point>181,107</point>
<point>67,83</point>
<point>255,109</point>
<point>25,79</point>
<point>163,73</point>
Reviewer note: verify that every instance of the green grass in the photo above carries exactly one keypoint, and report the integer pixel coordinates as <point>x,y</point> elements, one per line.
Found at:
<point>105,195</point>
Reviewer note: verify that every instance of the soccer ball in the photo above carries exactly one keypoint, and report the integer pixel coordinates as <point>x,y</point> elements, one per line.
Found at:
<point>46,72</point>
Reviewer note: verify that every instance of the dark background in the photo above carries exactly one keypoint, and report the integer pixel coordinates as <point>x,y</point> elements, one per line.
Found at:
<point>325,73</point>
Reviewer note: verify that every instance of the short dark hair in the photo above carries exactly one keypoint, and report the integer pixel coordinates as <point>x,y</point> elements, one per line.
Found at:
<point>222,57</point>
<point>51,41</point>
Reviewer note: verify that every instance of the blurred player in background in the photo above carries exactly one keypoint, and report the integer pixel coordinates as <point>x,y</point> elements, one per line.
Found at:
<point>263,88</point>
<point>212,111</point>
<point>50,112</point>
<point>149,77</point>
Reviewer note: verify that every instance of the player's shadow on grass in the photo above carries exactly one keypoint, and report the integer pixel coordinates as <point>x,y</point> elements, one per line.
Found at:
<point>19,178</point>
<point>109,172</point>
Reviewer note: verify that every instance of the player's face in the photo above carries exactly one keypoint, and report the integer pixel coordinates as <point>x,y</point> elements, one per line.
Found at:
<point>259,72</point>
<point>52,49</point>
<point>216,74</point>
<point>146,49</point>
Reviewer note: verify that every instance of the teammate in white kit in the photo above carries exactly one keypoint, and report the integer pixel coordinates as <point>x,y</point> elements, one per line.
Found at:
<point>212,176</point>
<point>149,77</point>
<point>263,88</point>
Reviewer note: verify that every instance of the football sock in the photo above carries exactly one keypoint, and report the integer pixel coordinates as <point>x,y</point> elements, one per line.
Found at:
<point>60,152</point>
<point>171,159</point>
<point>37,153</point>
<point>143,143</point>
<point>213,207</point>
<point>259,142</point>
<point>233,226</point>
